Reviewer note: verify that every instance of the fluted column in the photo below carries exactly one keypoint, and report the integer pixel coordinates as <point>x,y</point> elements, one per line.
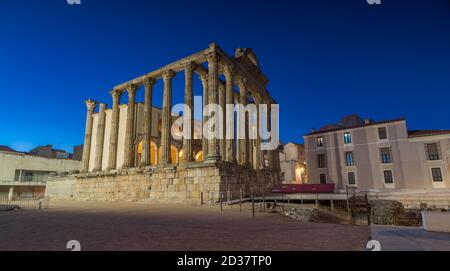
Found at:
<point>222,103</point>
<point>258,138</point>
<point>90,104</point>
<point>229,93</point>
<point>204,79</point>
<point>167,107</point>
<point>112,158</point>
<point>236,143</point>
<point>146,144</point>
<point>128,159</point>
<point>100,137</point>
<point>213,82</point>
<point>270,153</point>
<point>189,102</point>
<point>244,143</point>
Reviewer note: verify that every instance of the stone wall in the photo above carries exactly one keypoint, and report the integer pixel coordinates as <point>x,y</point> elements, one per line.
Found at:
<point>193,183</point>
<point>208,182</point>
<point>63,188</point>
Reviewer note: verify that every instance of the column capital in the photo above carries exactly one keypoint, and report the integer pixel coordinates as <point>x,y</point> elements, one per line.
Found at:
<point>241,81</point>
<point>229,70</point>
<point>91,104</point>
<point>132,88</point>
<point>168,74</point>
<point>115,93</point>
<point>221,87</point>
<point>149,81</point>
<point>204,79</point>
<point>213,57</point>
<point>189,66</point>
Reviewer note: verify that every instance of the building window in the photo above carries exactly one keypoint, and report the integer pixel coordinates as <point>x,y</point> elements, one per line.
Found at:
<point>319,141</point>
<point>386,156</point>
<point>323,179</point>
<point>382,133</point>
<point>349,159</point>
<point>432,151</point>
<point>347,138</point>
<point>436,173</point>
<point>351,178</point>
<point>321,160</point>
<point>388,177</point>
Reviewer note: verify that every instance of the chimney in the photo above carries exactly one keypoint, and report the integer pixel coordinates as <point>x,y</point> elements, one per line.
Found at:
<point>313,130</point>
<point>367,121</point>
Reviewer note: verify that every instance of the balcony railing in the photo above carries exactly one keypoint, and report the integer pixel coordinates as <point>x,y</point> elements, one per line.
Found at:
<point>24,183</point>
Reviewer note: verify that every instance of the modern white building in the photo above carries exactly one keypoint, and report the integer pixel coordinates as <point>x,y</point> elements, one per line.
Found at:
<point>22,174</point>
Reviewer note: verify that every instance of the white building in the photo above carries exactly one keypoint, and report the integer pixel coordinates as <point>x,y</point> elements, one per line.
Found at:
<point>23,174</point>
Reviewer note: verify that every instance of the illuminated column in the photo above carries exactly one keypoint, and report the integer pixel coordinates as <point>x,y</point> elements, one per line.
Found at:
<point>189,102</point>
<point>114,130</point>
<point>146,144</point>
<point>204,79</point>
<point>166,116</point>
<point>100,137</point>
<point>213,77</point>
<point>229,89</point>
<point>270,153</point>
<point>222,101</point>
<point>258,138</point>
<point>128,159</point>
<point>244,143</point>
<point>90,104</point>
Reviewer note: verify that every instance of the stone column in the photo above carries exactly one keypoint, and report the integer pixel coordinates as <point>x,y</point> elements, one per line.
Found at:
<point>204,79</point>
<point>112,159</point>
<point>229,93</point>
<point>270,155</point>
<point>100,137</point>
<point>244,143</point>
<point>222,103</point>
<point>189,102</point>
<point>213,83</point>
<point>166,117</point>
<point>258,138</point>
<point>237,146</point>
<point>128,158</point>
<point>88,135</point>
<point>148,107</point>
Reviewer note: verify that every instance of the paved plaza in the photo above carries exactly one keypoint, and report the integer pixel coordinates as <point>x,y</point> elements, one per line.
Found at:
<point>398,238</point>
<point>150,226</point>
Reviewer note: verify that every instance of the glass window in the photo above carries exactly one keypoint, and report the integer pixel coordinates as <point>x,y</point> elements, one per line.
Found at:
<point>437,174</point>
<point>323,179</point>
<point>351,178</point>
<point>432,151</point>
<point>388,177</point>
<point>349,159</point>
<point>382,133</point>
<point>347,138</point>
<point>385,154</point>
<point>321,160</point>
<point>319,141</point>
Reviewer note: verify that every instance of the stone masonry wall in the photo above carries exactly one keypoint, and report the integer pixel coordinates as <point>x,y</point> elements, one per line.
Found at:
<point>193,183</point>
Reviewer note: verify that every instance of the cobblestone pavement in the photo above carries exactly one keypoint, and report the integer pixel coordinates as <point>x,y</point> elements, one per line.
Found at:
<point>397,238</point>
<point>150,226</point>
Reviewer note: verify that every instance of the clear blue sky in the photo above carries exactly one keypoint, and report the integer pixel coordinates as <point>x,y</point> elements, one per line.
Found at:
<point>325,59</point>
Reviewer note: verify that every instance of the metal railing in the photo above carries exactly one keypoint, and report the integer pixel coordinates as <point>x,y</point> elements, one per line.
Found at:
<point>8,182</point>
<point>23,203</point>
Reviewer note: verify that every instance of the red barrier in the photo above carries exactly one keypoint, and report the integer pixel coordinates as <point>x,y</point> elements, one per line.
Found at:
<point>303,188</point>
